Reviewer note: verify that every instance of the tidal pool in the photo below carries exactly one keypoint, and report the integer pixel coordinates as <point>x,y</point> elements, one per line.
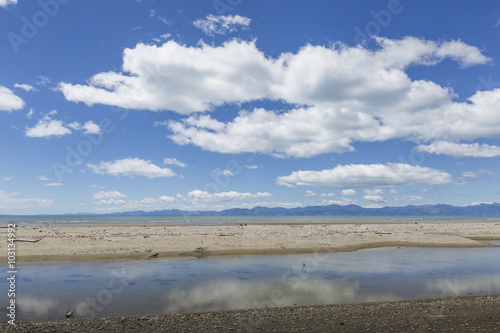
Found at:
<point>49,291</point>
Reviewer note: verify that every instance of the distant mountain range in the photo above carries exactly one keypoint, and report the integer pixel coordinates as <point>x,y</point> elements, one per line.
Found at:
<point>335,210</point>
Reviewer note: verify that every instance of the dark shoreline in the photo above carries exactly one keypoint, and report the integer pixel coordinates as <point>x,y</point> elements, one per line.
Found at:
<point>450,314</point>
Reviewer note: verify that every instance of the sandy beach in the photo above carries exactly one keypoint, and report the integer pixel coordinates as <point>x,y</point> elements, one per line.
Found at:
<point>47,243</point>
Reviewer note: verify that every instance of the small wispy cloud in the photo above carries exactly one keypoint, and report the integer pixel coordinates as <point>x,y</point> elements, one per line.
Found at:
<point>469,174</point>
<point>222,172</point>
<point>108,195</point>
<point>165,20</point>
<point>174,161</point>
<point>25,87</point>
<point>220,25</point>
<point>43,81</point>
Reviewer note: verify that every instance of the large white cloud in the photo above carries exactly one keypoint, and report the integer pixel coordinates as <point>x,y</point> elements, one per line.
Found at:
<point>341,94</point>
<point>460,149</point>
<point>367,175</point>
<point>305,132</point>
<point>188,79</point>
<point>131,167</point>
<point>9,101</point>
<point>301,132</point>
<point>221,25</point>
<point>181,78</point>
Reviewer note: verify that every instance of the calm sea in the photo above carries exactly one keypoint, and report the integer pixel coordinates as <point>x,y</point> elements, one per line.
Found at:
<point>226,220</point>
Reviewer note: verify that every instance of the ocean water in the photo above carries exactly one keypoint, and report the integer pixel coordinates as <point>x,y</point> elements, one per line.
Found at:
<point>49,291</point>
<point>225,220</point>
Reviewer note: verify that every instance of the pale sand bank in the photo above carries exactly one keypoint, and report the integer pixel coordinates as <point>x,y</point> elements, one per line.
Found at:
<point>118,243</point>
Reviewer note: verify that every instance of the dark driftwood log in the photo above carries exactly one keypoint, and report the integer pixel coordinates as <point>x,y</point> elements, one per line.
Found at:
<point>28,240</point>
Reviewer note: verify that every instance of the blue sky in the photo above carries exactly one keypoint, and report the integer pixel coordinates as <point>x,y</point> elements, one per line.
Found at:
<point>110,106</point>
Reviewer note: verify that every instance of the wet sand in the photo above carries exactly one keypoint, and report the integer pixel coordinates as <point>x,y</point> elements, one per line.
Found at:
<point>47,243</point>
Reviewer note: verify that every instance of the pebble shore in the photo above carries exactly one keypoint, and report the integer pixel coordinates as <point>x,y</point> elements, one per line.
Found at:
<point>457,314</point>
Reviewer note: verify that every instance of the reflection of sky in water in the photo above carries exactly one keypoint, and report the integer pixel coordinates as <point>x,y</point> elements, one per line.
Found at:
<point>49,291</point>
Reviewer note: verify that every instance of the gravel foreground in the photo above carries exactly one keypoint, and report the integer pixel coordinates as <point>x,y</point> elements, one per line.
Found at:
<point>457,314</point>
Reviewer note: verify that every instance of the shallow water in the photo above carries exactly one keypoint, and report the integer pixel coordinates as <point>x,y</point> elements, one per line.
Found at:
<point>49,291</point>
<point>226,220</point>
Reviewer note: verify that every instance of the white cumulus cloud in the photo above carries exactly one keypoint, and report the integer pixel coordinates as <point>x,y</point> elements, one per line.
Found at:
<point>194,200</point>
<point>9,101</point>
<point>374,198</point>
<point>310,193</point>
<point>226,196</point>
<point>376,191</point>
<point>91,128</point>
<point>47,127</point>
<point>180,78</point>
<point>131,167</point>
<point>341,202</point>
<point>348,192</point>
<point>221,25</point>
<point>367,175</point>
<point>338,94</point>
<point>460,149</point>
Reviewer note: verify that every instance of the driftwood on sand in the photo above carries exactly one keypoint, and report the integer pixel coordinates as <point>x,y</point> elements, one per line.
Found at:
<point>28,240</point>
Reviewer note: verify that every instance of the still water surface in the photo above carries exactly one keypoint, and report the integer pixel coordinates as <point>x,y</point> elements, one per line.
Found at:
<point>226,220</point>
<point>49,291</point>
